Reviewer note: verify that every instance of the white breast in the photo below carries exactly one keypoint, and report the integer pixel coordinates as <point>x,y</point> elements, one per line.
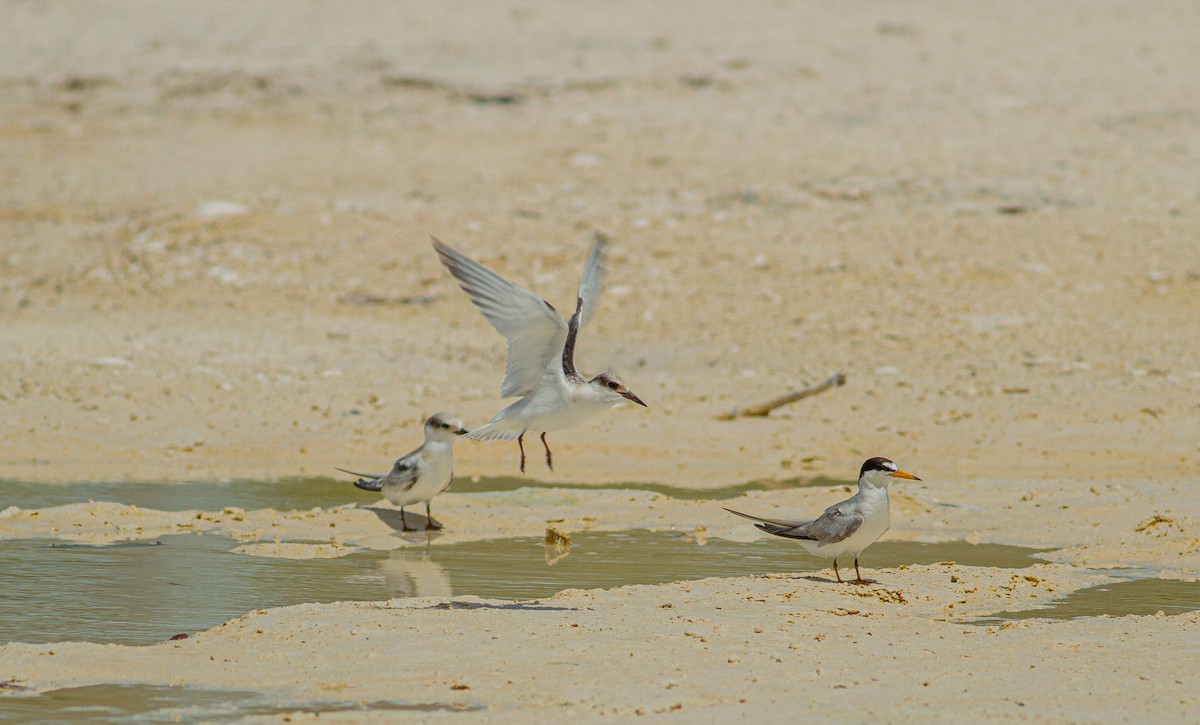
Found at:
<point>556,405</point>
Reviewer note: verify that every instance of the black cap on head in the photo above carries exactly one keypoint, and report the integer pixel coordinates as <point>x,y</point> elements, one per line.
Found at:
<point>878,463</point>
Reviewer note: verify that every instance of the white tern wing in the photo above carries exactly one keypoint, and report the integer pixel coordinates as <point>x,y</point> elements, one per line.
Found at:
<point>591,284</point>
<point>535,331</point>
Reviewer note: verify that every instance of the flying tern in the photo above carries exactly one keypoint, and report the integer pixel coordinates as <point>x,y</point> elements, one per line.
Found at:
<point>541,352</point>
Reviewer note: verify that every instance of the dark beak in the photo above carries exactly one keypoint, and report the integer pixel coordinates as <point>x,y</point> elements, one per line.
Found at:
<point>462,431</point>
<point>629,394</point>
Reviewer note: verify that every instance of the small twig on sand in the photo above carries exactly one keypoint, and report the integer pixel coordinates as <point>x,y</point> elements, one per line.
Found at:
<point>762,409</point>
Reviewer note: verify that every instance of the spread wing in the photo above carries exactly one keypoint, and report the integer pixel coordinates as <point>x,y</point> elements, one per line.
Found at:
<point>591,284</point>
<point>536,332</point>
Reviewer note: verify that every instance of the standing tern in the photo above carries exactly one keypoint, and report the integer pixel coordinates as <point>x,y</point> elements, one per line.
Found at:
<point>422,474</point>
<point>541,352</point>
<point>845,528</point>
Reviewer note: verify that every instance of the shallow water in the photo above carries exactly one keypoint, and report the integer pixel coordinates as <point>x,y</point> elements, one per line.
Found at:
<point>1116,599</point>
<point>303,494</point>
<point>141,593</point>
<point>157,704</point>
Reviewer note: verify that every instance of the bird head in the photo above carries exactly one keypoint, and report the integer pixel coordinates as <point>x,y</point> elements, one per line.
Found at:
<point>443,427</point>
<point>880,471</point>
<point>610,388</point>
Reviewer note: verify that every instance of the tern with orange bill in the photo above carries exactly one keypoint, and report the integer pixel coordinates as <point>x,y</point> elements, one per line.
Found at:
<point>846,528</point>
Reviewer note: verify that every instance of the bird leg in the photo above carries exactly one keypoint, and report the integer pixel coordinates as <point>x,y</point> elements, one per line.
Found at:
<point>404,521</point>
<point>549,458</point>
<point>860,580</point>
<point>836,573</point>
<point>521,445</point>
<point>429,522</point>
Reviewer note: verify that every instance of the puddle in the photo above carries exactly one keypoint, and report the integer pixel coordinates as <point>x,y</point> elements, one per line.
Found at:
<point>302,494</point>
<point>157,704</point>
<point>1116,599</point>
<point>141,593</point>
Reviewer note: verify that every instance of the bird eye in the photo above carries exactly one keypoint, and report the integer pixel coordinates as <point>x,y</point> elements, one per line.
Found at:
<point>445,425</point>
<point>613,384</point>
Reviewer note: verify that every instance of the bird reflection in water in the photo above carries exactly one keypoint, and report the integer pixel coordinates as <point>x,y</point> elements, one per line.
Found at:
<point>412,574</point>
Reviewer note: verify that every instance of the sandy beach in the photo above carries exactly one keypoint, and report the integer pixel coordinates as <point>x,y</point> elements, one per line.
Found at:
<point>215,265</point>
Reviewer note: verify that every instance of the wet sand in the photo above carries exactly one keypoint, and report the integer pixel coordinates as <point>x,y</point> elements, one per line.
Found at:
<point>718,648</point>
<point>214,264</point>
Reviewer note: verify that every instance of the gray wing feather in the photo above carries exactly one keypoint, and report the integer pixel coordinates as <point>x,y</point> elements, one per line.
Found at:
<point>535,331</point>
<point>375,484</point>
<point>403,474</point>
<point>783,523</point>
<point>591,284</point>
<point>790,532</point>
<point>836,524</point>
<point>831,527</point>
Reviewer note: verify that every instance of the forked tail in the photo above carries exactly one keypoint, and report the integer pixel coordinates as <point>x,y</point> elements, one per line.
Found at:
<point>368,482</point>
<point>781,523</point>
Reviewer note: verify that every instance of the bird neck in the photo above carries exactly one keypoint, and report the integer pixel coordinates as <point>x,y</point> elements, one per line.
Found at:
<point>593,396</point>
<point>434,441</point>
<point>868,487</point>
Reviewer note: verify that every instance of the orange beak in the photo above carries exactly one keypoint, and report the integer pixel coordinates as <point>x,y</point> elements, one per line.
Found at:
<point>904,474</point>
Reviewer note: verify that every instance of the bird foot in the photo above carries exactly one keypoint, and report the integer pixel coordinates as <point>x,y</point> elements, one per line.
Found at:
<point>862,582</point>
<point>432,525</point>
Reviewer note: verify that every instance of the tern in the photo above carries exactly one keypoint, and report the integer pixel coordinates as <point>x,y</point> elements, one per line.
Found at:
<point>422,474</point>
<point>541,352</point>
<point>845,528</point>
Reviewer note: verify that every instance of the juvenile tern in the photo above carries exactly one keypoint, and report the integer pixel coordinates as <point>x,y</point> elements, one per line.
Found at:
<point>422,474</point>
<point>541,352</point>
<point>845,528</point>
